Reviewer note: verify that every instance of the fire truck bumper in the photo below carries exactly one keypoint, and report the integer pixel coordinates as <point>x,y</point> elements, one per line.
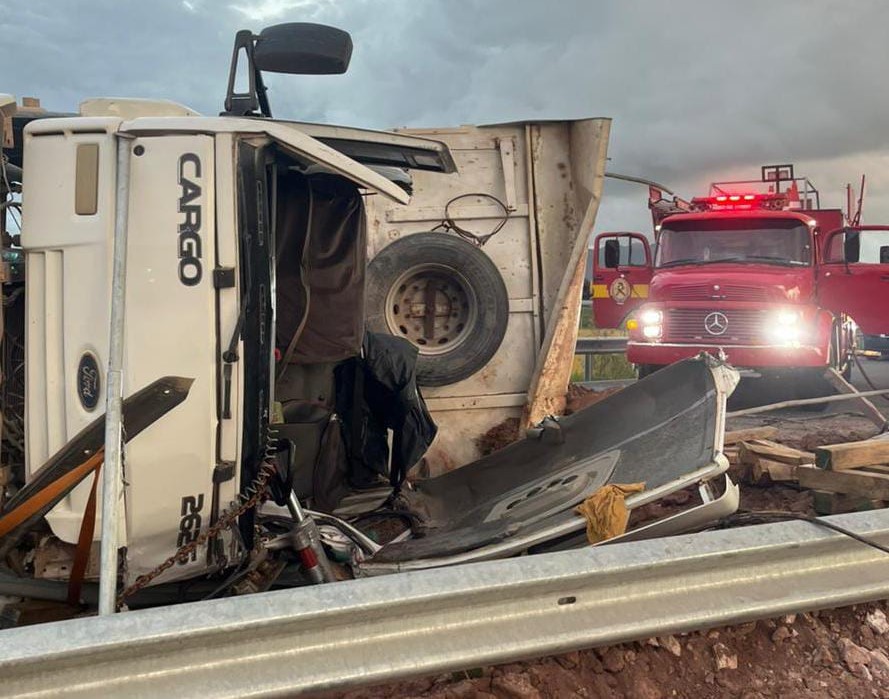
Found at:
<point>739,356</point>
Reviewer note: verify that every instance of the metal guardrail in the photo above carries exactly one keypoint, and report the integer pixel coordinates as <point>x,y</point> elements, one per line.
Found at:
<point>589,347</point>
<point>601,345</point>
<point>370,631</point>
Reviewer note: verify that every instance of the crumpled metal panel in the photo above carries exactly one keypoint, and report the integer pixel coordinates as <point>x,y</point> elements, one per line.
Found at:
<point>654,431</point>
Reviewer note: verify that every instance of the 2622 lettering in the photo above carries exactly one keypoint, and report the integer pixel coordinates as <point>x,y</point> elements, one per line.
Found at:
<point>190,524</point>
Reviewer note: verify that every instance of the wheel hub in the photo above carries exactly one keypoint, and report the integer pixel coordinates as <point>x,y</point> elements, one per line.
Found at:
<point>433,307</point>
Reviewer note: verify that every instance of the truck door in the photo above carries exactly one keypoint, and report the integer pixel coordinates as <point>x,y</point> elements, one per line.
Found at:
<point>622,268</point>
<point>854,276</point>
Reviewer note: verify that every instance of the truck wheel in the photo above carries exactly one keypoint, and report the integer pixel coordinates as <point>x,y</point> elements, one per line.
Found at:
<point>445,296</point>
<point>644,370</point>
<point>842,363</point>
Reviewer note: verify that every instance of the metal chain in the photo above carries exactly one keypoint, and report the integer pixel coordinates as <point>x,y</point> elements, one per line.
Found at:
<point>258,488</point>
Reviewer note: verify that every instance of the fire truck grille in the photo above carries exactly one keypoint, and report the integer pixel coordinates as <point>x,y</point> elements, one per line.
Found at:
<point>717,327</point>
<point>729,292</point>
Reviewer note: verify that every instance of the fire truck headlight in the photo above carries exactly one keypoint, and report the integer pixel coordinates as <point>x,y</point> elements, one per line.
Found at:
<point>786,318</point>
<point>786,327</point>
<point>652,332</point>
<point>652,317</point>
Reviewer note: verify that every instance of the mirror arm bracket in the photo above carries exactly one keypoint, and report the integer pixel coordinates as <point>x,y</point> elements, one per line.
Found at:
<point>255,99</point>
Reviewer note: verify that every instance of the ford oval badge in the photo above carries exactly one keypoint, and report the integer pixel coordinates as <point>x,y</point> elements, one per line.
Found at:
<point>88,381</point>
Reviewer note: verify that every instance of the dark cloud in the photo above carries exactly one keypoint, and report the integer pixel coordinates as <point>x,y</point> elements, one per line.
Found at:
<point>697,90</point>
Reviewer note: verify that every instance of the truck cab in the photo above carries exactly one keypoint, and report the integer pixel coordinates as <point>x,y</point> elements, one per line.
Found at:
<point>747,271</point>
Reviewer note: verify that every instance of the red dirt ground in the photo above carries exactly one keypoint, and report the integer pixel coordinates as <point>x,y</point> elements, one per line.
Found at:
<point>840,654</point>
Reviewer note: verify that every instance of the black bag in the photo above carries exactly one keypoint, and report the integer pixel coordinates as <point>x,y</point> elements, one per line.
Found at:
<point>376,392</point>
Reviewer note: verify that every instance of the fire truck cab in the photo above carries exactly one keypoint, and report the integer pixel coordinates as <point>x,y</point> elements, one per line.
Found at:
<point>757,270</point>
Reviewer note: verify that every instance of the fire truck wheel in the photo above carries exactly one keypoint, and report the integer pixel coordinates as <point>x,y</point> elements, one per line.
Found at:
<point>842,364</point>
<point>443,294</point>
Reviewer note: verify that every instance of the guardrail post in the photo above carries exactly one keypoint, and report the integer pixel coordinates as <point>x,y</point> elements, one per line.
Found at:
<point>111,475</point>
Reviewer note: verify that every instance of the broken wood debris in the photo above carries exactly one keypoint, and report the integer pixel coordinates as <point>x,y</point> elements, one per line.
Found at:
<point>846,477</point>
<point>752,451</point>
<point>827,503</point>
<point>866,484</point>
<point>766,470</point>
<point>733,437</point>
<point>842,457</point>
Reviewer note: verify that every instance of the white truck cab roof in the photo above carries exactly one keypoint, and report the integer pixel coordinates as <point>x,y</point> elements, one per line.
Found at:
<point>288,135</point>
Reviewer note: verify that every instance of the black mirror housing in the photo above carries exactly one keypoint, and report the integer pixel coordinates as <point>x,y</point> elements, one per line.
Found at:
<point>303,48</point>
<point>612,254</point>
<point>300,48</point>
<point>851,245</point>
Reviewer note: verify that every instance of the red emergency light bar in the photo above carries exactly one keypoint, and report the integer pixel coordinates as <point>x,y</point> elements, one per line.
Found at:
<point>741,201</point>
<point>735,198</point>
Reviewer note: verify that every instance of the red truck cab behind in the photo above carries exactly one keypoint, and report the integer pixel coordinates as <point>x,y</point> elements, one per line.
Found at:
<point>772,287</point>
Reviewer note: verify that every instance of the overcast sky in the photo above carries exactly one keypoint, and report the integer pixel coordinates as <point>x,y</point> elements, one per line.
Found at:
<point>698,90</point>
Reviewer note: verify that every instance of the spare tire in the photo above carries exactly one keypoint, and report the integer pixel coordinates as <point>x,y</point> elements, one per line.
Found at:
<point>470,306</point>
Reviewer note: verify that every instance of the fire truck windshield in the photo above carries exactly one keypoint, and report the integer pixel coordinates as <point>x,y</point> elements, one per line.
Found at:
<point>770,241</point>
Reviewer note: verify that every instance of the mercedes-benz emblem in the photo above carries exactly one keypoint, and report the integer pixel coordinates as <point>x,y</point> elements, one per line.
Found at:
<point>716,323</point>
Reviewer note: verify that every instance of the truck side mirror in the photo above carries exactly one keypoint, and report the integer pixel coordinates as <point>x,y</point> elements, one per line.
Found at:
<point>303,48</point>
<point>851,246</point>
<point>296,47</point>
<point>612,253</point>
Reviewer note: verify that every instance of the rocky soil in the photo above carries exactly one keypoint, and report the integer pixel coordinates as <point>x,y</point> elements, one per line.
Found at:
<point>840,654</point>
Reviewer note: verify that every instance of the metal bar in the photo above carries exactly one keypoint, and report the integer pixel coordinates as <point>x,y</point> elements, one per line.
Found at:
<point>111,475</point>
<point>844,387</point>
<point>368,631</point>
<point>807,401</point>
<point>639,180</point>
<point>600,345</point>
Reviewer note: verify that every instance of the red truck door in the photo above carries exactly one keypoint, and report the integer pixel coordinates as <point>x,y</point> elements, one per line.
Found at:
<point>621,273</point>
<point>854,276</point>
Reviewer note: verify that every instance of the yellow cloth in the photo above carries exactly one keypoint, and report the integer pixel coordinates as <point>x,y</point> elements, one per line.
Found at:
<point>606,511</point>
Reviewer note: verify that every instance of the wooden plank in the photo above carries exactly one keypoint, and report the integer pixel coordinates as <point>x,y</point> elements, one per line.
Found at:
<point>868,485</point>
<point>753,450</point>
<point>827,503</point>
<point>732,454</point>
<point>880,468</point>
<point>842,457</point>
<point>764,432</point>
<point>765,470</point>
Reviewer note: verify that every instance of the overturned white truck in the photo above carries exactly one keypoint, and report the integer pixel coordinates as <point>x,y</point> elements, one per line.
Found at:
<point>256,406</point>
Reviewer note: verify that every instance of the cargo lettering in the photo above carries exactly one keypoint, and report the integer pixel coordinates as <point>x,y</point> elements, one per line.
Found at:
<point>190,268</point>
<point>190,524</point>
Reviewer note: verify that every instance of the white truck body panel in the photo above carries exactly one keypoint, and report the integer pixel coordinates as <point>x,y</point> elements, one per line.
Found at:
<point>545,173</point>
<point>68,268</point>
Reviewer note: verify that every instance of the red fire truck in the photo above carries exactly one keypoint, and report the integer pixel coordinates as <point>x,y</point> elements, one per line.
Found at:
<point>757,269</point>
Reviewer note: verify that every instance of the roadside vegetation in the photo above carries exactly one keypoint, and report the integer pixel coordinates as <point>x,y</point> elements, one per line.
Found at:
<point>605,366</point>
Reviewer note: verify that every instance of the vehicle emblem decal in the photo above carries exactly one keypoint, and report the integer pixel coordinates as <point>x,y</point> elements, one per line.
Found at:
<point>716,323</point>
<point>89,382</point>
<point>620,290</point>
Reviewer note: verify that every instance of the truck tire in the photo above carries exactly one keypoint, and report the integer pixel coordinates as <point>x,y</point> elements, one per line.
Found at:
<point>843,364</point>
<point>471,305</point>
